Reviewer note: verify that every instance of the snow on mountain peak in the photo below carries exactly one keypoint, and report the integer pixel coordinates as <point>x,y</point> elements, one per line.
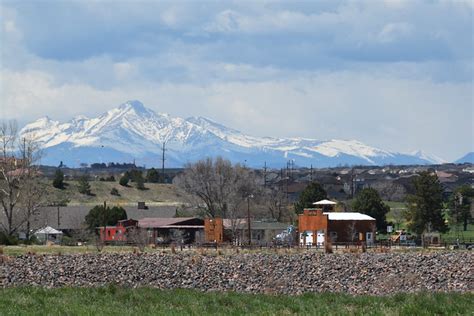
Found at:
<point>135,104</point>
<point>426,156</point>
<point>132,130</point>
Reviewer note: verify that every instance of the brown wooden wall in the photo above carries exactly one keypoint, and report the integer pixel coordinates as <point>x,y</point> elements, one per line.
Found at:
<point>345,228</point>
<point>312,220</point>
<point>213,230</point>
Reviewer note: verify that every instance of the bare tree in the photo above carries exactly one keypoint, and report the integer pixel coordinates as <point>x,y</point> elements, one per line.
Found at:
<point>138,237</point>
<point>352,231</point>
<point>219,186</point>
<point>32,201</point>
<point>20,189</point>
<point>276,202</point>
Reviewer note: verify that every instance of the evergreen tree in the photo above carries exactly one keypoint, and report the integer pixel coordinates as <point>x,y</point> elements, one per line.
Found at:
<point>312,193</point>
<point>368,202</point>
<point>424,208</point>
<point>139,181</point>
<point>460,206</point>
<point>153,176</point>
<point>58,181</point>
<point>83,185</point>
<point>124,180</point>
<point>100,216</point>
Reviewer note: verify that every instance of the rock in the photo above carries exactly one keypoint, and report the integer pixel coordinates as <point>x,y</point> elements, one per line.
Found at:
<point>368,273</point>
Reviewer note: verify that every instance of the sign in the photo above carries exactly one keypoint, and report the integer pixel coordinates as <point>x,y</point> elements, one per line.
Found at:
<point>389,229</point>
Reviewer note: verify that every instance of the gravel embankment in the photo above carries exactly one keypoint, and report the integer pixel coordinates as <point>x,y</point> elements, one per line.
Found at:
<point>366,273</point>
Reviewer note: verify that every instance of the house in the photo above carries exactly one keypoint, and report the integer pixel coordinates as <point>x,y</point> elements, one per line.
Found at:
<point>316,227</point>
<point>237,230</point>
<point>50,234</point>
<point>184,230</point>
<point>117,233</point>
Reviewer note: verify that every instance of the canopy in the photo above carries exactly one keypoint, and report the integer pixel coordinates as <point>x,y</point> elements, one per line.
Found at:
<point>48,230</point>
<point>324,202</point>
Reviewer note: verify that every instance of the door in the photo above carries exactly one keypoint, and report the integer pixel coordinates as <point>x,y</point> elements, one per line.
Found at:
<point>369,237</point>
<point>309,238</point>
<point>320,237</point>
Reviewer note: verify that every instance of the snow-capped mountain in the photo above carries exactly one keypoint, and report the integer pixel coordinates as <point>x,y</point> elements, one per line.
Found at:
<point>133,132</point>
<point>467,158</point>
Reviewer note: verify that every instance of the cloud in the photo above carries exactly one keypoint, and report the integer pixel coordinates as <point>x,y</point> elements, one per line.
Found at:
<point>371,70</point>
<point>399,114</point>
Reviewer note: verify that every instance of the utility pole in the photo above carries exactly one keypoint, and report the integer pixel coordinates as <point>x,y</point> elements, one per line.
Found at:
<point>311,173</point>
<point>24,153</point>
<point>248,219</point>
<point>265,174</point>
<point>163,162</point>
<point>353,189</point>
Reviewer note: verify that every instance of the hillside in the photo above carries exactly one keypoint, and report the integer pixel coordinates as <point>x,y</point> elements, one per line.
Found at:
<point>156,194</point>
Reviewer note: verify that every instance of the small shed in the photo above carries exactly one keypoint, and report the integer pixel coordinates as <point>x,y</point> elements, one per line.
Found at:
<point>48,233</point>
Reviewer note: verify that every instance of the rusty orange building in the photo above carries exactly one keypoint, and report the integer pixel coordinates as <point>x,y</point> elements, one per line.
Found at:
<point>316,227</point>
<point>214,230</point>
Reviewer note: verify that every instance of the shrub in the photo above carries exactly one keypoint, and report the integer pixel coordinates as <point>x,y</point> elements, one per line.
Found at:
<point>84,186</point>
<point>110,179</point>
<point>115,192</point>
<point>8,240</point>
<point>124,180</point>
<point>153,176</point>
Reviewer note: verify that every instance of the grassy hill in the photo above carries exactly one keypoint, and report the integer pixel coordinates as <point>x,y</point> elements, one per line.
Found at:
<point>155,194</point>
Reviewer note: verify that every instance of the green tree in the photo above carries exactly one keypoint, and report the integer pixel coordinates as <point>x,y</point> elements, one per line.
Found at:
<point>368,202</point>
<point>100,216</point>
<point>152,176</point>
<point>58,181</point>
<point>460,205</point>
<point>424,208</point>
<point>312,193</point>
<point>83,185</point>
<point>137,177</point>
<point>124,180</point>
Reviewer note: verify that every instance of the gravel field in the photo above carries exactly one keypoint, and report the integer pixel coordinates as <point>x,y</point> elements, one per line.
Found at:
<point>367,273</point>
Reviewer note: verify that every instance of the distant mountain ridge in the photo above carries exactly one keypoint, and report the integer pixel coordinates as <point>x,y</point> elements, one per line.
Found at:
<point>133,132</point>
<point>467,158</point>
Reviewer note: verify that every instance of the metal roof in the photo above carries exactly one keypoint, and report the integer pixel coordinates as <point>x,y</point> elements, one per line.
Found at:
<point>155,222</point>
<point>48,230</point>
<point>325,202</point>
<point>348,216</point>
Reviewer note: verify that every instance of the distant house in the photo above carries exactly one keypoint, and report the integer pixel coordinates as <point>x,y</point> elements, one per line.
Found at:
<point>237,230</point>
<point>179,229</point>
<point>316,227</point>
<point>48,234</point>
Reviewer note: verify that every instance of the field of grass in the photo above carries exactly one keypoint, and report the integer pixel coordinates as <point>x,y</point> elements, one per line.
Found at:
<point>457,232</point>
<point>155,193</point>
<point>145,301</point>
<point>54,250</point>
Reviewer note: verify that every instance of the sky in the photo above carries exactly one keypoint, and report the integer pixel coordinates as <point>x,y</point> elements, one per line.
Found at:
<point>393,74</point>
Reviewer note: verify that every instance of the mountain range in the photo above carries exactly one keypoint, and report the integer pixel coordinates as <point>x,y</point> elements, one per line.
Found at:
<point>132,132</point>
